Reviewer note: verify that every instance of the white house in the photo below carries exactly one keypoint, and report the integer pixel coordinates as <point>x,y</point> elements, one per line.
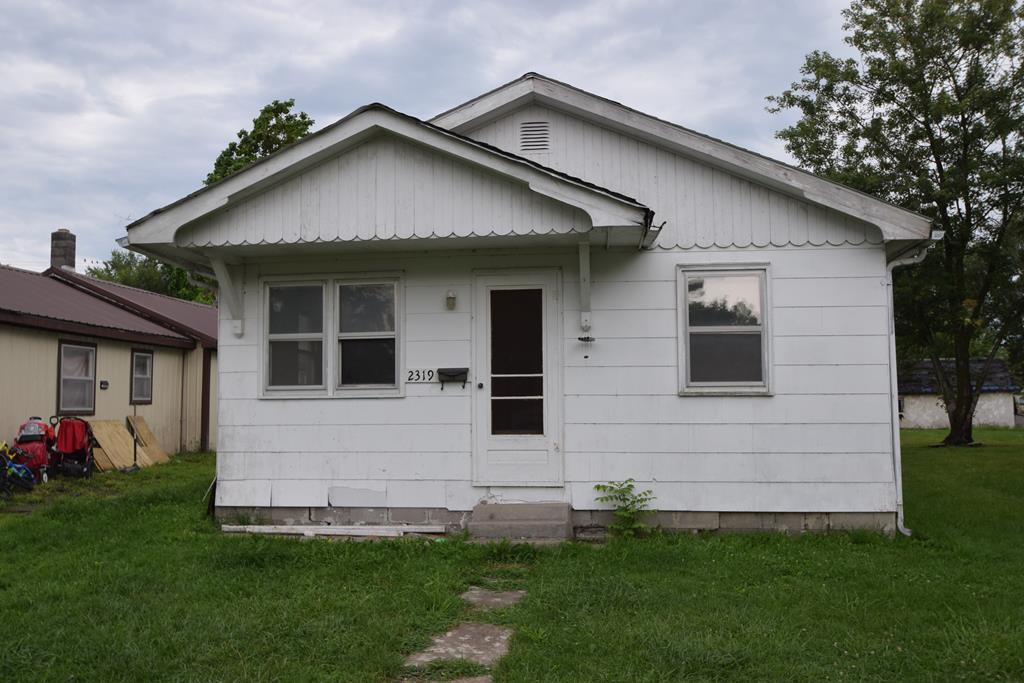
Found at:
<point>537,291</point>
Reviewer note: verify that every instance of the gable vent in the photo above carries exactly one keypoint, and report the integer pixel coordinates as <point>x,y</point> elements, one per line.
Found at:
<point>534,136</point>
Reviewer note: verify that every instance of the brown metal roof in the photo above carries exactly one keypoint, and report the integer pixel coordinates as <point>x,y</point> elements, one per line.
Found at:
<point>186,317</point>
<point>35,300</point>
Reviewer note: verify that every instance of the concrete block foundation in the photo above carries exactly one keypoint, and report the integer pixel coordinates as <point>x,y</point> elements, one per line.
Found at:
<point>585,523</point>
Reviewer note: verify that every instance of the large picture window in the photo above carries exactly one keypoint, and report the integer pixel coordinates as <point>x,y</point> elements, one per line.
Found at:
<point>367,334</point>
<point>723,340</point>
<point>295,336</point>
<point>77,372</point>
<point>142,377</point>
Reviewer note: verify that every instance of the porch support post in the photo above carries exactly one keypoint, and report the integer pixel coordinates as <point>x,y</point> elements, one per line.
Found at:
<point>584,248</point>
<point>230,295</point>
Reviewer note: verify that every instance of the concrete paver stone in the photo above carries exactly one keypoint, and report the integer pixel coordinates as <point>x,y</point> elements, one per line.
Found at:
<point>483,644</point>
<point>486,600</point>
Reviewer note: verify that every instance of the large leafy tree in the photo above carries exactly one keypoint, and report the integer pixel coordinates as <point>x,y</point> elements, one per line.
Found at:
<point>930,115</point>
<point>275,127</point>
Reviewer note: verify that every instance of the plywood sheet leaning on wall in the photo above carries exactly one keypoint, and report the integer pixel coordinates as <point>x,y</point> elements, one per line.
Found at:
<point>138,424</point>
<point>117,443</point>
<point>103,463</point>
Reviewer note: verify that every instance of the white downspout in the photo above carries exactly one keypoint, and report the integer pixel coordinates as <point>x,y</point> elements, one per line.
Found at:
<point>897,455</point>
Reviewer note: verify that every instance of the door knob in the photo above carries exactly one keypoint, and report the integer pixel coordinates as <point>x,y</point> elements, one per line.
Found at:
<point>479,385</point>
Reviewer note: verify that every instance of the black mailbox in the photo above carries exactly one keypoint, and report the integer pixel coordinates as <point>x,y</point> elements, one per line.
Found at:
<point>445,375</point>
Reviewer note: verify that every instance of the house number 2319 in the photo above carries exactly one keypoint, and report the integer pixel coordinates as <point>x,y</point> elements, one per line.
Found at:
<point>421,375</point>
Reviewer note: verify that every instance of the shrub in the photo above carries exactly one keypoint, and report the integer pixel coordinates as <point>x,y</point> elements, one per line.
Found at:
<point>630,506</point>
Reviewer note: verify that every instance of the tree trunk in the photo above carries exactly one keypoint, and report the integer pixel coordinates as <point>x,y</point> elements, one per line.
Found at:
<point>961,411</point>
<point>961,428</point>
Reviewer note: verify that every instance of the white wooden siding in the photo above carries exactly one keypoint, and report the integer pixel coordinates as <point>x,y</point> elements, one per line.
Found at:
<point>702,206</point>
<point>386,189</point>
<point>822,442</point>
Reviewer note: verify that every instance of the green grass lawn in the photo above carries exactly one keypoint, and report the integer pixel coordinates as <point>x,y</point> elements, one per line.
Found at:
<point>123,578</point>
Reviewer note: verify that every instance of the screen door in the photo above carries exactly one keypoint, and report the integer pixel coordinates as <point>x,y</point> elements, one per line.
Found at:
<point>517,380</point>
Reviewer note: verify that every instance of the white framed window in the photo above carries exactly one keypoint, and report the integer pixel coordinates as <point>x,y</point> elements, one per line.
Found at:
<point>76,367</point>
<point>142,377</point>
<point>332,336</point>
<point>367,334</point>
<point>294,334</point>
<point>724,341</point>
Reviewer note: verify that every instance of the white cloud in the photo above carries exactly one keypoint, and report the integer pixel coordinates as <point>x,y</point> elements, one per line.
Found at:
<point>112,109</point>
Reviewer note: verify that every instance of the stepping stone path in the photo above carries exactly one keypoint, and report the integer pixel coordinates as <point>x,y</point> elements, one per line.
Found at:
<point>479,643</point>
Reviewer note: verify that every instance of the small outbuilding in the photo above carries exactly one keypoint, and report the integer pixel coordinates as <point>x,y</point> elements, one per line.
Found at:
<point>535,292</point>
<point>922,406</point>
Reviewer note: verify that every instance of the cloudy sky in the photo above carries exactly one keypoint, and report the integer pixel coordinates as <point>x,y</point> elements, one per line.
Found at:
<point>110,110</point>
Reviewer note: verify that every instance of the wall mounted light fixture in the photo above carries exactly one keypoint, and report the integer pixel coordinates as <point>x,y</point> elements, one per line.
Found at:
<point>449,300</point>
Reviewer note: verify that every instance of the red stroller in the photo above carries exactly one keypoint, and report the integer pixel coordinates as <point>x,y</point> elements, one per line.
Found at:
<point>35,439</point>
<point>72,456</point>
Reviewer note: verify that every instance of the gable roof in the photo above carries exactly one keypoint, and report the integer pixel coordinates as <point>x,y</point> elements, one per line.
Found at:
<point>35,300</point>
<point>189,318</point>
<point>920,377</point>
<point>605,207</point>
<point>894,222</point>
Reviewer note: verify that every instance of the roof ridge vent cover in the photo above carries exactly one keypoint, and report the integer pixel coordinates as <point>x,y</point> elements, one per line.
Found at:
<point>534,136</point>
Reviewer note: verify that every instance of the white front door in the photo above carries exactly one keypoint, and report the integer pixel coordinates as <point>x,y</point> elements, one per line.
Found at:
<point>517,379</point>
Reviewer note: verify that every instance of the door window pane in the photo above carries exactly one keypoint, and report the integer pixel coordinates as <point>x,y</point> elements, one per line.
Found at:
<point>517,416</point>
<point>517,386</point>
<point>367,361</point>
<point>725,357</point>
<point>367,308</point>
<point>296,310</point>
<point>296,363</point>
<point>517,331</point>
<point>715,300</point>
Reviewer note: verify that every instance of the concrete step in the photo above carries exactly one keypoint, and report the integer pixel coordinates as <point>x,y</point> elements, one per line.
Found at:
<point>515,530</point>
<point>521,520</point>
<point>527,512</point>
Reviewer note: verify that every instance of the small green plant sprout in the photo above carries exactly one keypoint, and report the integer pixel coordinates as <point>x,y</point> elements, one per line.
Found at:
<point>630,506</point>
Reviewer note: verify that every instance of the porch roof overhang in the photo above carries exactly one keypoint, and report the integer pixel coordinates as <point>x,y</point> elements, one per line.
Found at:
<point>169,233</point>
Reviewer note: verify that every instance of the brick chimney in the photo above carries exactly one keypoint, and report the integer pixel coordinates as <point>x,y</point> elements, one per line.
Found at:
<point>62,249</point>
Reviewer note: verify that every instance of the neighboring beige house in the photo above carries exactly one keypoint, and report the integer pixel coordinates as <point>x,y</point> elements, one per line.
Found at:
<point>74,345</point>
<point>922,407</point>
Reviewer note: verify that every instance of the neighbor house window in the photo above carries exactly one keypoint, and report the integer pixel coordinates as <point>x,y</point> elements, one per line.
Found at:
<point>77,372</point>
<point>723,339</point>
<point>142,377</point>
<point>295,336</point>
<point>367,334</point>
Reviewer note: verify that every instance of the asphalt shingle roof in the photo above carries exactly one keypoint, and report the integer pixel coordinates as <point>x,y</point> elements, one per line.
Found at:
<point>920,377</point>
